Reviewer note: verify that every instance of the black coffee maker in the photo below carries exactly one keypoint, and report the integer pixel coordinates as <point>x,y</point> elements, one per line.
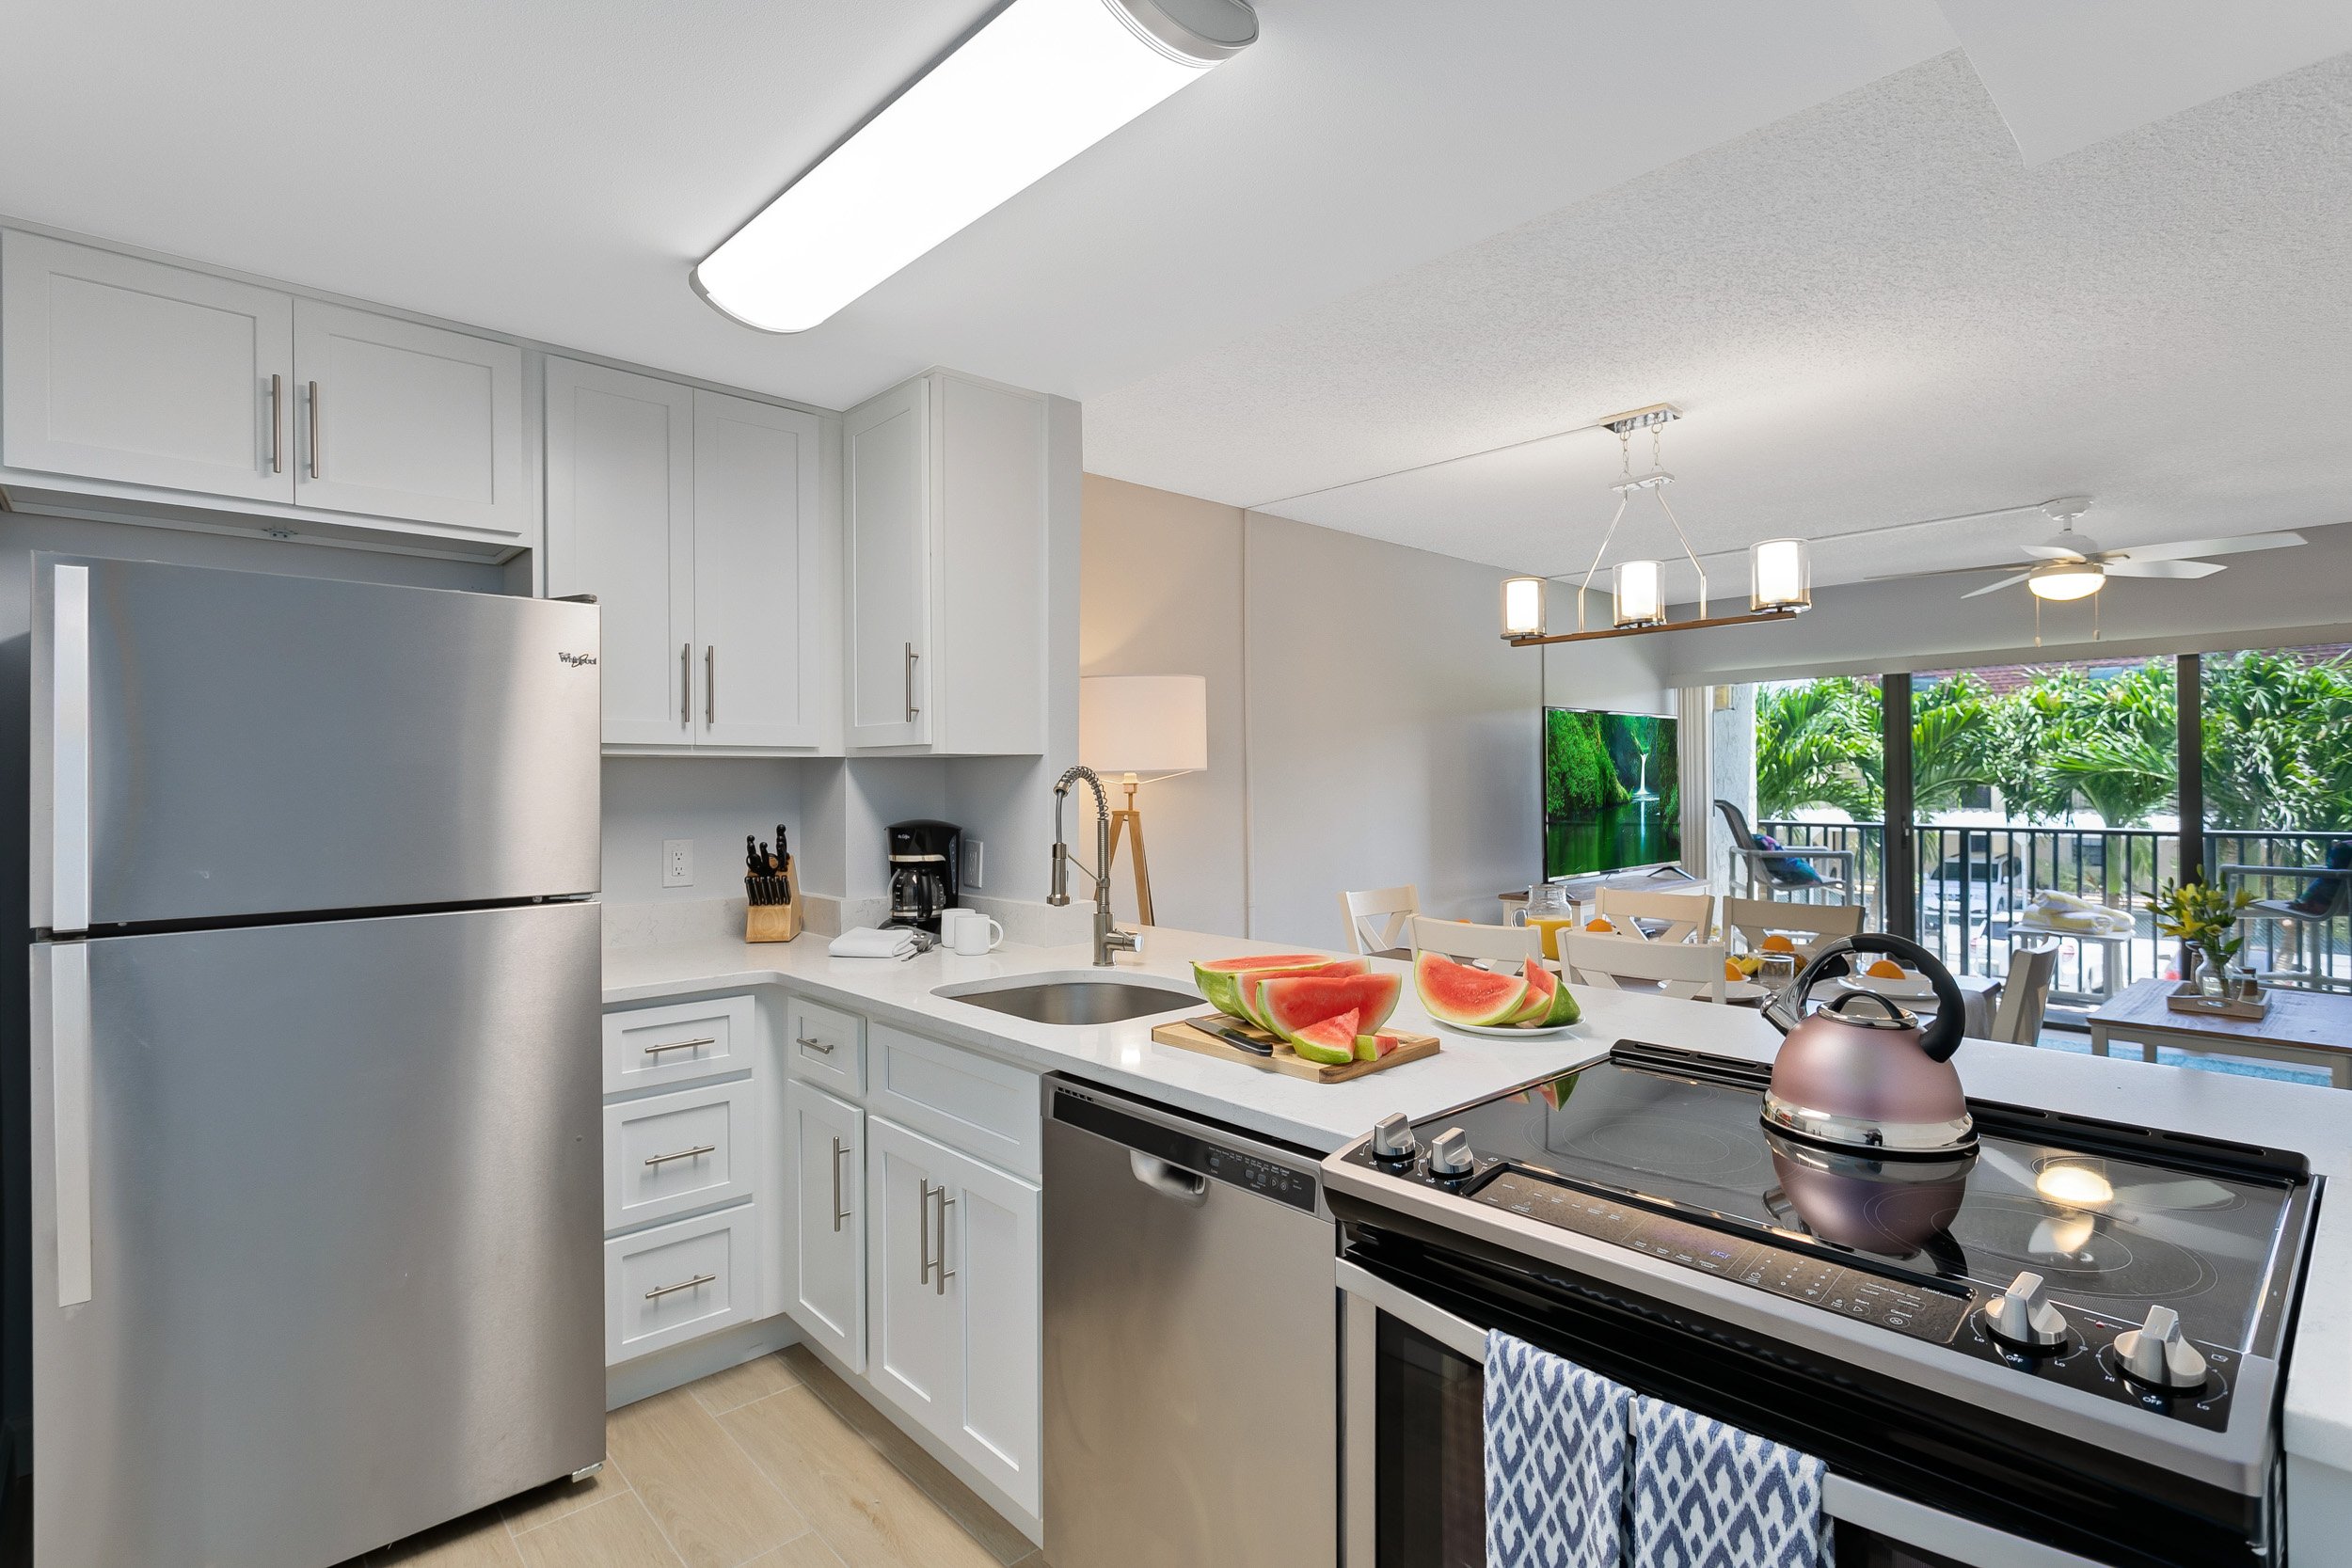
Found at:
<point>926,869</point>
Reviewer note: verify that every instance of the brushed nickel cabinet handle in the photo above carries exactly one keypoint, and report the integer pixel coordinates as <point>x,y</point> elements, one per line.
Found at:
<point>694,1153</point>
<point>710,683</point>
<point>839,1213</point>
<point>685,683</point>
<point>315,430</point>
<point>679,1045</point>
<point>923,1215</point>
<point>700,1279</point>
<point>944,1273</point>
<point>822,1048</point>
<point>912,656</point>
<point>276,423</point>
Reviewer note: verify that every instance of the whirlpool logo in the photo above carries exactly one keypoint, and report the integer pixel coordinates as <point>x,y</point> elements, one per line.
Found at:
<point>575,660</point>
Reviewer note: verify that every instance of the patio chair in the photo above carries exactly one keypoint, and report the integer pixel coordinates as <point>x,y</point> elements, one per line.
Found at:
<point>1684,969</point>
<point>1807,926</point>
<point>1460,939</point>
<point>1776,869</point>
<point>1676,916</point>
<point>1379,919</point>
<point>2327,895</point>
<point>2025,994</point>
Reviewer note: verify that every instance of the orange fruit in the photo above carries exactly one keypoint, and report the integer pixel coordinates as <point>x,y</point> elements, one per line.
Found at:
<point>1775,942</point>
<point>1887,969</point>
<point>1598,926</point>
<point>1731,971</point>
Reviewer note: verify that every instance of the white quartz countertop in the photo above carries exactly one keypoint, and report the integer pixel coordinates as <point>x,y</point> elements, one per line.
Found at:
<point>2314,1122</point>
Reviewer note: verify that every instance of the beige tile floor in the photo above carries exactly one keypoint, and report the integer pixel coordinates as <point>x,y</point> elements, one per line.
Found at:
<point>776,1464</point>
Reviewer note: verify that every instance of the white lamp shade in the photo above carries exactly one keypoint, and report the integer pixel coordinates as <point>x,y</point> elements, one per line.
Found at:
<point>1641,592</point>
<point>1524,606</point>
<point>1144,723</point>
<point>1780,575</point>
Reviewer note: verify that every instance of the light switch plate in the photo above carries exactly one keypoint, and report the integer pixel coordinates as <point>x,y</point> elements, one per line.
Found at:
<point>677,863</point>
<point>972,847</point>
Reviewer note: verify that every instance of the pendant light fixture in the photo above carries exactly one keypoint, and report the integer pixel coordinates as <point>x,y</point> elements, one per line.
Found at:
<point>1038,84</point>
<point>1780,571</point>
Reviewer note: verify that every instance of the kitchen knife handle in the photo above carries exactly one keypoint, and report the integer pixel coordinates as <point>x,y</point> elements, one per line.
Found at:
<point>710,683</point>
<point>315,430</point>
<point>685,684</point>
<point>276,423</point>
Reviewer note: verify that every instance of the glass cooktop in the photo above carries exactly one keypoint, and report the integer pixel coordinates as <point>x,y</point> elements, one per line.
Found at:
<point>2112,1228</point>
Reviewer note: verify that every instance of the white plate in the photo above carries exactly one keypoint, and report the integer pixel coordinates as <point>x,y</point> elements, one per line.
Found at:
<point>1917,989</point>
<point>1507,1031</point>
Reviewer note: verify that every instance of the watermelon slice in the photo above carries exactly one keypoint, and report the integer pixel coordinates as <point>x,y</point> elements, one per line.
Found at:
<point>1218,977</point>
<point>1371,1048</point>
<point>1245,983</point>
<point>1563,1009</point>
<point>1461,994</point>
<point>1290,1003</point>
<point>1540,986</point>
<point>1330,1042</point>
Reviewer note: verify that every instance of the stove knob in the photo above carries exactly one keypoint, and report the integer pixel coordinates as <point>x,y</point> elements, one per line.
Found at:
<point>1450,1154</point>
<point>1392,1140</point>
<point>2154,1353</point>
<point>2023,1316</point>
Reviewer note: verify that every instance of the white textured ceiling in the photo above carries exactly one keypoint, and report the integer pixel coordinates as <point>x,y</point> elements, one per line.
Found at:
<point>552,167</point>
<point>1871,312</point>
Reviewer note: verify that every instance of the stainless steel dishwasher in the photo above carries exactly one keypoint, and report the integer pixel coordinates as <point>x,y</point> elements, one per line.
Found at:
<point>1191,1342</point>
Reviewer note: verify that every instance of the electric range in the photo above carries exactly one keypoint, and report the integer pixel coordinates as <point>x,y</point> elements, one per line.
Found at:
<point>2072,1336</point>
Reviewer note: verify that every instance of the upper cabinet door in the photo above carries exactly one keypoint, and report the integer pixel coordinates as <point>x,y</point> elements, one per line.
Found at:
<point>114,368</point>
<point>887,468</point>
<point>620,526</point>
<point>404,420</point>
<point>759,612</point>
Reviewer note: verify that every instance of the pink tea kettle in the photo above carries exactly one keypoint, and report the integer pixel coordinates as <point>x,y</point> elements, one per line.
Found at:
<point>1858,1072</point>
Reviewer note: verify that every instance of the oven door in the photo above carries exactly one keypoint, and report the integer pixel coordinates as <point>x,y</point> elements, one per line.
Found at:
<point>1413,1458</point>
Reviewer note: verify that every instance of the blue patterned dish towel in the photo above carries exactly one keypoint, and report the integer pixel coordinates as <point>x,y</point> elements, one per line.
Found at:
<point>1556,1440</point>
<point>1707,1495</point>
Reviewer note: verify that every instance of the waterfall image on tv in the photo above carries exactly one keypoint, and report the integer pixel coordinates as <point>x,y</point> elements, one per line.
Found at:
<point>1613,791</point>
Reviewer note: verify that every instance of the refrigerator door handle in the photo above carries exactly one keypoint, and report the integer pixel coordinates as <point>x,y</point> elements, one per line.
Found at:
<point>70,752</point>
<point>70,1102</point>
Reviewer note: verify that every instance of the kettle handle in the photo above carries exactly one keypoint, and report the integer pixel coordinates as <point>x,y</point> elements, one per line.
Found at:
<point>1940,1039</point>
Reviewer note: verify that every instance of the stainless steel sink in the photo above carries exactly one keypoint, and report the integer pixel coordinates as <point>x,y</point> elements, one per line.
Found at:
<point>1078,998</point>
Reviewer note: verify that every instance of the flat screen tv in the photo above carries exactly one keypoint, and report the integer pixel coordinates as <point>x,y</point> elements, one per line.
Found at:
<point>1613,791</point>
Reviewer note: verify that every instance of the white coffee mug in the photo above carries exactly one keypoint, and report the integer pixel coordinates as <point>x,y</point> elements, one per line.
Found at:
<point>972,933</point>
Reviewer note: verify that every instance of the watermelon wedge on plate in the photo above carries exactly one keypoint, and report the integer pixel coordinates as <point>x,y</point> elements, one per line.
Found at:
<point>1462,993</point>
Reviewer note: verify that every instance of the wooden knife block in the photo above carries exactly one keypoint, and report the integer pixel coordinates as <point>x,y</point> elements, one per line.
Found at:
<point>770,914</point>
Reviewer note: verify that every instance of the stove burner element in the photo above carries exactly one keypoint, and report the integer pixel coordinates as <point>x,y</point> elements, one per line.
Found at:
<point>1672,1145</point>
<point>2082,1255</point>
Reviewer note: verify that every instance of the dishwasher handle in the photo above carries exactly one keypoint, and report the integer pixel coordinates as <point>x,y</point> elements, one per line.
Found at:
<point>1168,1179</point>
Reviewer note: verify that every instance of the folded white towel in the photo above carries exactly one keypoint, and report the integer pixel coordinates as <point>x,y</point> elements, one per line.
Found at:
<point>868,942</point>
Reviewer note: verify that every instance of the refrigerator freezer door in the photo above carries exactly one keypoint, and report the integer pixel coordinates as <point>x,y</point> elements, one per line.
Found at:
<point>343,1233</point>
<point>209,745</point>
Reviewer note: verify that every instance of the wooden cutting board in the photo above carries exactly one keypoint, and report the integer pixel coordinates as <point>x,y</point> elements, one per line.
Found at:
<point>1183,1037</point>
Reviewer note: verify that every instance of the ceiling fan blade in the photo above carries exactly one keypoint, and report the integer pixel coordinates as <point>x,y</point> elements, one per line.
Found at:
<point>2212,547</point>
<point>1943,572</point>
<point>2051,552</point>
<point>2163,568</point>
<point>1996,587</point>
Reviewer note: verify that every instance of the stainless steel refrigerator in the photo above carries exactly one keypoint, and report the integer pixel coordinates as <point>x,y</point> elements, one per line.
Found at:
<point>314,1142</point>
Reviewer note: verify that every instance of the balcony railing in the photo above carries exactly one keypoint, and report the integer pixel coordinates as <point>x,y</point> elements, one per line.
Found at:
<point>1975,881</point>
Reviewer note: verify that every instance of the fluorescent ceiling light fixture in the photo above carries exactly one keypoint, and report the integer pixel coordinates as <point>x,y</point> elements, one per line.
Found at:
<point>1039,83</point>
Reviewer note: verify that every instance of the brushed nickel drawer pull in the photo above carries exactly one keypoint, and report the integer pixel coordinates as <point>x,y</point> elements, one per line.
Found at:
<point>711,684</point>
<point>912,709</point>
<point>839,1213</point>
<point>700,1279</point>
<point>694,1153</point>
<point>945,1274</point>
<point>276,423</point>
<point>685,684</point>
<point>315,430</point>
<point>923,1215</point>
<point>679,1045</point>
<point>822,1048</point>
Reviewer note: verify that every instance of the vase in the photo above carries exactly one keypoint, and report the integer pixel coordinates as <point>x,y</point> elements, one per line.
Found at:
<point>2215,982</point>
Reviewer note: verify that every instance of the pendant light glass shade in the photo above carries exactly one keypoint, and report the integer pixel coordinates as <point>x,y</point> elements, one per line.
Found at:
<point>1524,606</point>
<point>1641,593</point>
<point>1780,574</point>
<point>2067,579</point>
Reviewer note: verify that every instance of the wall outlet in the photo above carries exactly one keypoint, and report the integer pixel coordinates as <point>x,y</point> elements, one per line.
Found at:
<point>972,847</point>
<point>677,863</point>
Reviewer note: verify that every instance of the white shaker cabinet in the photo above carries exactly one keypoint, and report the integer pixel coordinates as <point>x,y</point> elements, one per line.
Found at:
<point>117,368</point>
<point>828,1141</point>
<point>696,519</point>
<point>945,490</point>
<point>399,419</point>
<point>953,1306</point>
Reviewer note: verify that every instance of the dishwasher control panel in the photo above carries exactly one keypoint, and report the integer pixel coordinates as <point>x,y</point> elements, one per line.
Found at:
<point>1203,1149</point>
<point>1280,1183</point>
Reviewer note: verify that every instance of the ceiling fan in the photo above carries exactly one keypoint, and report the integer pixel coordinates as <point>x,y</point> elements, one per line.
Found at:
<point>2072,566</point>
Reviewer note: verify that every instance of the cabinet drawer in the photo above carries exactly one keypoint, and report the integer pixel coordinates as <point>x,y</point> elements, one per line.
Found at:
<point>646,1047</point>
<point>679,1282</point>
<point>672,1153</point>
<point>825,1046</point>
<point>969,1101</point>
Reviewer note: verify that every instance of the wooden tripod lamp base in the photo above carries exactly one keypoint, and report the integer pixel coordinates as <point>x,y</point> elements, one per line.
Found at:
<point>1129,821</point>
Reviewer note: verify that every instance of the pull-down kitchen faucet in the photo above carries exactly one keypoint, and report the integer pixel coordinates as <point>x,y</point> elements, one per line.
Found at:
<point>1109,938</point>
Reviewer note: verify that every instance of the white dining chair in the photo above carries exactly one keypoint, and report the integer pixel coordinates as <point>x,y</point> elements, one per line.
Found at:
<point>1379,919</point>
<point>2025,994</point>
<point>1687,916</point>
<point>1680,968</point>
<point>1457,938</point>
<point>1809,928</point>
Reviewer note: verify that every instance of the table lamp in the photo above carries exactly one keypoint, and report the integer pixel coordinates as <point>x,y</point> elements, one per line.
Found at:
<point>1137,724</point>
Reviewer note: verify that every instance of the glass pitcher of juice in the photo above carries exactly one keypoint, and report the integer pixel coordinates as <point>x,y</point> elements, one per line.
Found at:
<point>1549,908</point>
